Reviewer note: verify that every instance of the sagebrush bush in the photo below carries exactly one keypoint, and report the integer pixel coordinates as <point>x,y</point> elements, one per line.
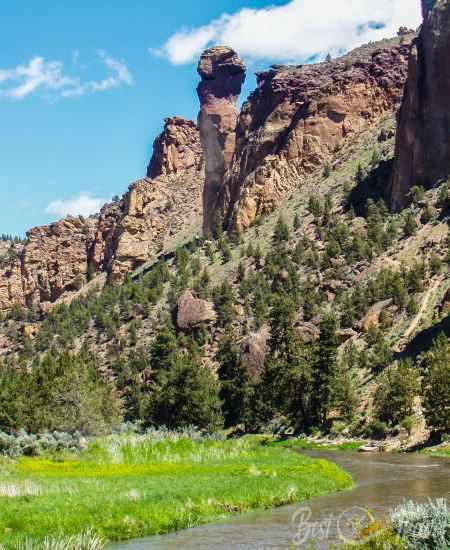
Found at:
<point>24,444</point>
<point>423,526</point>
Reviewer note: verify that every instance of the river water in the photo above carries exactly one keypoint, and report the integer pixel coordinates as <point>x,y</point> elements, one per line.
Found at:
<point>383,481</point>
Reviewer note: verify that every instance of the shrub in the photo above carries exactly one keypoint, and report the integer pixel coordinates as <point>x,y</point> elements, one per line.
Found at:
<point>377,429</point>
<point>327,169</point>
<point>24,444</point>
<point>423,526</point>
<point>408,423</point>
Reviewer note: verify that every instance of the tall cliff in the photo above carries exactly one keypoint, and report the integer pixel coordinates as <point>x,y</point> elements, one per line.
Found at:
<point>294,122</point>
<point>59,258</point>
<point>423,137</point>
<point>237,165</point>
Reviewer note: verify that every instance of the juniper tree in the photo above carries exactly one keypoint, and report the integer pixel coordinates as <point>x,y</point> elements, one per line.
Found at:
<point>436,384</point>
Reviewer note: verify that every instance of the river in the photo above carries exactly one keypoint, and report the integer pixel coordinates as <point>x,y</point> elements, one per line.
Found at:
<point>383,481</point>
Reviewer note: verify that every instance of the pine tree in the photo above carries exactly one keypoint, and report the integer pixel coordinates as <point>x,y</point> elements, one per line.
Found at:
<point>235,384</point>
<point>343,394</point>
<point>436,384</point>
<point>184,393</point>
<point>394,397</point>
<point>325,367</point>
<point>224,302</point>
<point>410,226</point>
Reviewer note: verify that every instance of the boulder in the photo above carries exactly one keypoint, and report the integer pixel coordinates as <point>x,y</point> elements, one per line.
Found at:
<point>254,351</point>
<point>193,312</point>
<point>308,332</point>
<point>372,318</point>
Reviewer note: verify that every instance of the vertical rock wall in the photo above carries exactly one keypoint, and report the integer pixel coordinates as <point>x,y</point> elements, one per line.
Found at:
<point>423,138</point>
<point>222,74</point>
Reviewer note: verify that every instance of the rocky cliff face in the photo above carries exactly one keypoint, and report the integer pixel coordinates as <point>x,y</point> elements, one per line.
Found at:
<point>58,259</point>
<point>295,121</point>
<point>176,149</point>
<point>423,138</point>
<point>222,74</point>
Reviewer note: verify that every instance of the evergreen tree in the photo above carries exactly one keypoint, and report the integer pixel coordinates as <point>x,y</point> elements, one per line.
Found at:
<point>436,385</point>
<point>184,393</point>
<point>410,226</point>
<point>66,393</point>
<point>325,367</point>
<point>224,302</point>
<point>235,383</point>
<point>343,395</point>
<point>281,232</point>
<point>394,397</point>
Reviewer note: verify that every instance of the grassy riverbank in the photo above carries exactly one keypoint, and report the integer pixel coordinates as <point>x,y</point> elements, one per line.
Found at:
<point>132,486</point>
<point>312,445</point>
<point>441,451</point>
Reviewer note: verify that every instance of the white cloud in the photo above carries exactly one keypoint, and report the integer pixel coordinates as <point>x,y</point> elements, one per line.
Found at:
<point>37,74</point>
<point>296,31</point>
<point>81,205</point>
<point>48,76</point>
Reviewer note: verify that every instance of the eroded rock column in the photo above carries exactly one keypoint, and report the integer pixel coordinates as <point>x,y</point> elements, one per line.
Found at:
<point>222,74</point>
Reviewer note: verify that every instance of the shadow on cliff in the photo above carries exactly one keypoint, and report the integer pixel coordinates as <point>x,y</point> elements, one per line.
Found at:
<point>422,341</point>
<point>374,185</point>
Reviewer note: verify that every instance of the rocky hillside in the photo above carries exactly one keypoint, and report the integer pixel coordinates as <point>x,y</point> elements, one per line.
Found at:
<point>307,297</point>
<point>297,120</point>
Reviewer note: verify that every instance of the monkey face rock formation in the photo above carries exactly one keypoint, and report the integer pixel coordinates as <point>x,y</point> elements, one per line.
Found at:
<point>423,138</point>
<point>222,74</point>
<point>56,260</point>
<point>296,119</point>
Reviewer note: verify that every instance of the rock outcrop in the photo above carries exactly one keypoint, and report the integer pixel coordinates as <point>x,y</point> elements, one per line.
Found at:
<point>294,122</point>
<point>58,259</point>
<point>193,312</point>
<point>423,137</point>
<point>53,261</point>
<point>222,74</point>
<point>176,149</point>
<point>253,351</point>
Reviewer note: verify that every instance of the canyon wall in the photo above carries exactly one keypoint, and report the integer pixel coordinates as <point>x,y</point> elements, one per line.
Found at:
<point>296,120</point>
<point>234,168</point>
<point>423,138</point>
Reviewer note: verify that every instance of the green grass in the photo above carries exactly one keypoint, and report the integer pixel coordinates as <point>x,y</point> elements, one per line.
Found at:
<point>308,445</point>
<point>136,486</point>
<point>440,452</point>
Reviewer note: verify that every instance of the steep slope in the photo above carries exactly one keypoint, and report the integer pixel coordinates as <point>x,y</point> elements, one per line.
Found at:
<point>296,120</point>
<point>373,271</point>
<point>423,139</point>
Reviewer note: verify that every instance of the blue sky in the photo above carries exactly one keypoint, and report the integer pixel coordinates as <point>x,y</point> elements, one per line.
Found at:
<point>85,85</point>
